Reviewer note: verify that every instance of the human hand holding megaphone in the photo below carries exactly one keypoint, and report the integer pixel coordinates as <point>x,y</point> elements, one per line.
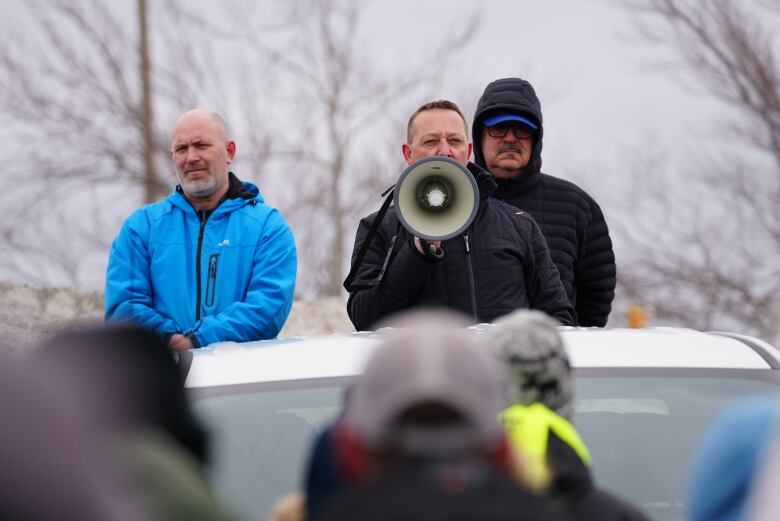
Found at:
<point>427,247</point>
<point>436,198</point>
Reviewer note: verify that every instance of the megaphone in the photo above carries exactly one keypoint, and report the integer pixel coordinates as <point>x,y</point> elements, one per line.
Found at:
<point>436,198</point>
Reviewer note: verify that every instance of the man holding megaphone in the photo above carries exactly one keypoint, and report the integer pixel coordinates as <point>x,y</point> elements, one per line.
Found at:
<point>446,241</point>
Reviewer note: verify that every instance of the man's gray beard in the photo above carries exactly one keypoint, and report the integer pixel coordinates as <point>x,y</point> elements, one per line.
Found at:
<point>200,188</point>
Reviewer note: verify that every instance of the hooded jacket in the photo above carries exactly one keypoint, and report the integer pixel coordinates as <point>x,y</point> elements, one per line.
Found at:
<point>227,275</point>
<point>499,264</point>
<point>571,221</point>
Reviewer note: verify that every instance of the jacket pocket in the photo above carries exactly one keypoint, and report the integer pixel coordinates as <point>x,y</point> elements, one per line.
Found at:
<point>211,281</point>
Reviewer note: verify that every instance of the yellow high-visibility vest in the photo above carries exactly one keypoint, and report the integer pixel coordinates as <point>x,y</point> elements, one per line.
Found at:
<point>528,428</point>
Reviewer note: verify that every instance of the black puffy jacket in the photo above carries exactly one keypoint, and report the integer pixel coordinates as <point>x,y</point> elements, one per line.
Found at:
<point>570,219</point>
<point>500,264</point>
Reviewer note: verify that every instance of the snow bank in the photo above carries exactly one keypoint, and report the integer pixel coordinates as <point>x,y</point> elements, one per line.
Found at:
<point>28,313</point>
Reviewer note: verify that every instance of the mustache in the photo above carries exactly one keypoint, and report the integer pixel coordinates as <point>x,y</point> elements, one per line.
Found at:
<point>509,147</point>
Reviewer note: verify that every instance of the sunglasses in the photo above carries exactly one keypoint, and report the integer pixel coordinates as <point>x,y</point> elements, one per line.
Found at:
<point>520,131</point>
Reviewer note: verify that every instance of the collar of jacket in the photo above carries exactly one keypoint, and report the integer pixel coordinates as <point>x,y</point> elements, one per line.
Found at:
<point>239,193</point>
<point>237,189</point>
<point>518,185</point>
<point>486,184</point>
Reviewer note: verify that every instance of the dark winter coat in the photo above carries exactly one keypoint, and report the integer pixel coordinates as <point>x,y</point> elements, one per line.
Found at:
<point>570,219</point>
<point>501,263</point>
<point>441,491</point>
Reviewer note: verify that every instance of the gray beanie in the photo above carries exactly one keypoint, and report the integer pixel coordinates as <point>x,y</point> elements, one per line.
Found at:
<point>538,367</point>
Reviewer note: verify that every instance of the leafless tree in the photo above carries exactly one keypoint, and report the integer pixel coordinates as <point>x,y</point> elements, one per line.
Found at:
<point>704,238</point>
<point>70,78</point>
<point>72,95</point>
<point>343,120</point>
<point>293,80</point>
<point>77,96</point>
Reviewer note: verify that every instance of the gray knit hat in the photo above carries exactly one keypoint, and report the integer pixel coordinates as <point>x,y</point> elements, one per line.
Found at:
<point>529,344</point>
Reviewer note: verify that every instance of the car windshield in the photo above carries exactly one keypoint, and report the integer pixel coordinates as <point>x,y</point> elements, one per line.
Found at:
<point>643,429</point>
<point>260,437</point>
<point>640,425</point>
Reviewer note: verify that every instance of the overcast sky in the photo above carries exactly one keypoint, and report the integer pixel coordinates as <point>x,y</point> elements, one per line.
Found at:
<point>601,88</point>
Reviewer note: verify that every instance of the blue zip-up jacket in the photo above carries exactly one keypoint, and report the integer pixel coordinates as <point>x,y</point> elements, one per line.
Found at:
<point>230,278</point>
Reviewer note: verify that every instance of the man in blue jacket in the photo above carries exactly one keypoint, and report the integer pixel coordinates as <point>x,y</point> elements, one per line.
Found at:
<point>211,262</point>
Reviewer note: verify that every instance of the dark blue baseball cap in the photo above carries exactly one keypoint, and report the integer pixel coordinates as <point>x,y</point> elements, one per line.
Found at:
<point>501,118</point>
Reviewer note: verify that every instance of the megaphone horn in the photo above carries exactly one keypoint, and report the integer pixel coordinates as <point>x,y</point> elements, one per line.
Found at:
<point>436,198</point>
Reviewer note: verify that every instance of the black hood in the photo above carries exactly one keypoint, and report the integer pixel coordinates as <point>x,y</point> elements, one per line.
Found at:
<point>509,95</point>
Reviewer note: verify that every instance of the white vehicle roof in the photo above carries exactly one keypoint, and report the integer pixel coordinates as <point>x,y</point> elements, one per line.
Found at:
<point>301,358</point>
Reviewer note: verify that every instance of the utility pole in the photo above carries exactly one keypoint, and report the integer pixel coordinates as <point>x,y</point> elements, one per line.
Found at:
<point>150,174</point>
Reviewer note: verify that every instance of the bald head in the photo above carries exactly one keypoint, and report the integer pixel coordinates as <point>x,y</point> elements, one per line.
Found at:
<point>202,116</point>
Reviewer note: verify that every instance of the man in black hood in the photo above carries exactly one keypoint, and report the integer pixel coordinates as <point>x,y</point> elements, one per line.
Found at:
<point>507,133</point>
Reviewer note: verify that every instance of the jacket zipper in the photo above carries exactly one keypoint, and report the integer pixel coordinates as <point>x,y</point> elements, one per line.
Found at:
<point>211,282</point>
<point>202,217</point>
<point>470,278</point>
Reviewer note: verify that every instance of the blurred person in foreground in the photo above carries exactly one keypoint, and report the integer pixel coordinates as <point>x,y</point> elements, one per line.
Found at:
<point>420,438</point>
<point>326,476</point>
<point>508,135</point>
<point>211,262</point>
<point>732,477</point>
<point>553,459</point>
<point>500,263</point>
<point>124,381</point>
<point>51,468</point>
<point>764,502</point>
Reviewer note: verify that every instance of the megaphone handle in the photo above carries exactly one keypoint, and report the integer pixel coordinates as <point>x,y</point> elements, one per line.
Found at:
<point>427,248</point>
<point>367,242</point>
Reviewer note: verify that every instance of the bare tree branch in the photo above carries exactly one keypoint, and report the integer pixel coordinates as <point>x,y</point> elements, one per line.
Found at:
<point>292,79</point>
<point>712,263</point>
<point>338,99</point>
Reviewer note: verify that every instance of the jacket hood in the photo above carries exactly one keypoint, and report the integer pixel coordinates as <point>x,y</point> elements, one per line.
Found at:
<point>509,95</point>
